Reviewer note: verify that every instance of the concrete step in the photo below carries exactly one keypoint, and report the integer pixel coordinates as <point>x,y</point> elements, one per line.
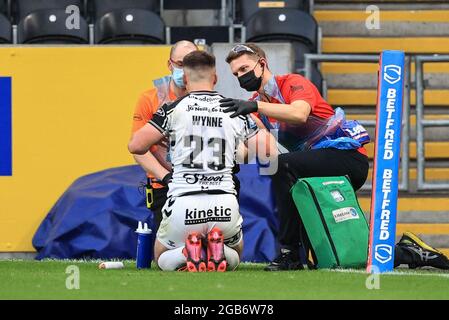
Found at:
<point>431,174</point>
<point>431,134</point>
<point>413,204</point>
<point>412,117</point>
<point>369,81</point>
<point>356,67</point>
<point>368,97</point>
<point>428,217</point>
<point>432,150</point>
<point>392,23</point>
<point>382,4</point>
<point>425,45</point>
<point>364,75</point>
<point>423,217</point>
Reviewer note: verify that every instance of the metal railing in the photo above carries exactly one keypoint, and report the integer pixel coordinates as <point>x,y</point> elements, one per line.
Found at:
<point>422,123</point>
<point>405,154</point>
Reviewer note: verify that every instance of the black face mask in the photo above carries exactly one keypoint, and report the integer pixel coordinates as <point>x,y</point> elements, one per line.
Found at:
<point>249,81</point>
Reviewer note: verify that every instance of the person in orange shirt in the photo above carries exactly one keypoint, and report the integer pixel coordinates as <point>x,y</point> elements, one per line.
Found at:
<point>167,89</point>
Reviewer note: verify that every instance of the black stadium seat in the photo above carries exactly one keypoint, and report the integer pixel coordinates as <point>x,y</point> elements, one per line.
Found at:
<point>130,26</point>
<point>101,7</point>
<point>285,25</point>
<point>49,27</point>
<point>209,34</point>
<point>4,7</point>
<point>22,8</point>
<point>192,5</point>
<point>5,30</point>
<point>246,8</point>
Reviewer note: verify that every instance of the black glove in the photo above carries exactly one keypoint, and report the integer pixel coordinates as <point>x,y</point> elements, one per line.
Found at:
<point>239,107</point>
<point>167,179</point>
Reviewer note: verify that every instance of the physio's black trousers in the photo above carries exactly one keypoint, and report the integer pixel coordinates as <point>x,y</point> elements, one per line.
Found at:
<point>159,199</point>
<point>311,163</point>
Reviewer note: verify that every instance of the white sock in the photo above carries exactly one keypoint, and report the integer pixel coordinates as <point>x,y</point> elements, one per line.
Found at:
<point>232,258</point>
<point>172,259</point>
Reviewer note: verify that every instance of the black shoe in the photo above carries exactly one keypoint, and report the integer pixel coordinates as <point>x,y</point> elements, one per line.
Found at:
<point>423,254</point>
<point>286,260</point>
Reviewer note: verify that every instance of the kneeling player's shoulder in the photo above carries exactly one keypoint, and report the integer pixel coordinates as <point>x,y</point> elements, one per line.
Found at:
<point>168,106</point>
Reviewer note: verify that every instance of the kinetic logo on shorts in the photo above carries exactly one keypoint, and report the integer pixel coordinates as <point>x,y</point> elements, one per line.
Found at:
<point>386,162</point>
<point>217,214</point>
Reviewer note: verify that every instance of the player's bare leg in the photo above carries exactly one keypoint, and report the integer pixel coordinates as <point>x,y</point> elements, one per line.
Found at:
<point>168,259</point>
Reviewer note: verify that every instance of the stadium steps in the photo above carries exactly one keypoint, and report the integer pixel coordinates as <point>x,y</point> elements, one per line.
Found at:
<point>421,31</point>
<point>423,27</point>
<point>431,134</point>
<point>432,149</point>
<point>364,75</point>
<point>368,97</point>
<point>425,216</point>
<point>408,23</point>
<point>432,174</point>
<point>412,117</point>
<point>419,204</point>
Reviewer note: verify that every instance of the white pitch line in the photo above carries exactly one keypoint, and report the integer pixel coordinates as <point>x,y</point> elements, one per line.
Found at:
<point>394,273</point>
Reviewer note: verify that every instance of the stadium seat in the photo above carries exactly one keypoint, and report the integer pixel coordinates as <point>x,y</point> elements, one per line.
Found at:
<point>201,35</point>
<point>130,26</point>
<point>285,25</point>
<point>49,27</point>
<point>4,7</point>
<point>246,8</point>
<point>98,8</point>
<point>192,5</point>
<point>5,30</point>
<point>22,8</point>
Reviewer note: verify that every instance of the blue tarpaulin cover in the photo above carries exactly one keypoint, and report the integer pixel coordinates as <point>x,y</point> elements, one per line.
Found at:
<point>97,216</point>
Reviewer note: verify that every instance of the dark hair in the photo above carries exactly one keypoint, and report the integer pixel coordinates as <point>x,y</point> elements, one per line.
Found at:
<point>198,60</point>
<point>248,48</point>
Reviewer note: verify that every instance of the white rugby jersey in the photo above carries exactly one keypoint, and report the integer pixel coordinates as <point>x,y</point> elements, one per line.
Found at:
<point>203,142</point>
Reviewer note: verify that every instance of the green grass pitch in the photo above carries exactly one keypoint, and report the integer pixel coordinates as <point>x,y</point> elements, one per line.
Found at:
<point>47,280</point>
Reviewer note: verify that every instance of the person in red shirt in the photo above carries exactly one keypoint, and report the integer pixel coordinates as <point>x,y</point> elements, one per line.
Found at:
<point>311,146</point>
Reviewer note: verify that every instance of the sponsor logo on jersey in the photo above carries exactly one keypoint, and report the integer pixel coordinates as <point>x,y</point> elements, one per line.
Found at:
<point>193,178</point>
<point>197,107</point>
<point>160,112</point>
<point>206,98</point>
<point>216,214</point>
